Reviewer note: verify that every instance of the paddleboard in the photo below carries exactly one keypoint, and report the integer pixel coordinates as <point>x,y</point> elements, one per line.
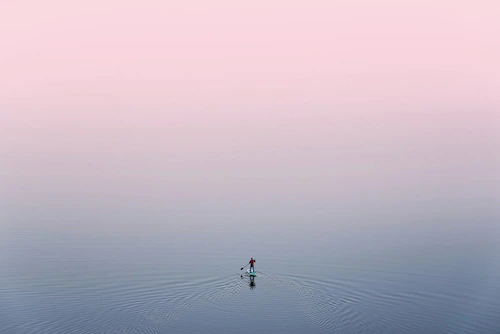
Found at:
<point>251,273</point>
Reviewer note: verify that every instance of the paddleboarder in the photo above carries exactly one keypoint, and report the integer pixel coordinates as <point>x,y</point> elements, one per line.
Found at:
<point>252,261</point>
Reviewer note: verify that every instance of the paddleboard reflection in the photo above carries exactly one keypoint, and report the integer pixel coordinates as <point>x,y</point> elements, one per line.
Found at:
<point>252,282</point>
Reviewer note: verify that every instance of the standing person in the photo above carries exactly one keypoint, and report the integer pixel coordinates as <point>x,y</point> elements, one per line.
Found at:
<point>252,261</point>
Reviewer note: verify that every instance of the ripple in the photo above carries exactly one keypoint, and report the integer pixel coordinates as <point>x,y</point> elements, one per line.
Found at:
<point>48,291</point>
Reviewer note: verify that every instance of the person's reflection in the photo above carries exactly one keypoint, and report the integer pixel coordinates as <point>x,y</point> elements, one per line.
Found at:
<point>252,282</point>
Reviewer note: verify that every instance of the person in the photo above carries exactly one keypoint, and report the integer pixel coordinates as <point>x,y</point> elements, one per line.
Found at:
<point>252,261</point>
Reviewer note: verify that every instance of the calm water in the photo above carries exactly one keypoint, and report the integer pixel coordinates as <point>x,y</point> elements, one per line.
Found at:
<point>320,277</point>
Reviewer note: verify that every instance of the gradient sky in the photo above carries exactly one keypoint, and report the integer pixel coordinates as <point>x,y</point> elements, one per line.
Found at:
<point>148,110</point>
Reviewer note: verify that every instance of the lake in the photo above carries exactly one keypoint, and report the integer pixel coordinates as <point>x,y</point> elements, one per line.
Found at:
<point>409,274</point>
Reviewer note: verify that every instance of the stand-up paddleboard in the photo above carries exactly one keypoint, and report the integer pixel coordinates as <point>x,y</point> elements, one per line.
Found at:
<point>251,273</point>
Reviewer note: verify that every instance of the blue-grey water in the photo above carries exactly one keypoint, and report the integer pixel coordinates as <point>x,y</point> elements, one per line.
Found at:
<point>320,276</point>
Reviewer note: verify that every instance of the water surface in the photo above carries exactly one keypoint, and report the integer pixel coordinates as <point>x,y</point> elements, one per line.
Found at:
<point>320,278</point>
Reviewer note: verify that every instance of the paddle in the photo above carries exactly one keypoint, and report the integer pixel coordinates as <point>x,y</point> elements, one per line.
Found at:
<point>245,266</point>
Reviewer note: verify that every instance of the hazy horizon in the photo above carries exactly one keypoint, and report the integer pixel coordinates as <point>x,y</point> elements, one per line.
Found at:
<point>142,111</point>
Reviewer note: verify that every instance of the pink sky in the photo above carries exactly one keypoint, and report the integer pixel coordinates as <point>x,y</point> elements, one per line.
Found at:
<point>163,53</point>
<point>188,92</point>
